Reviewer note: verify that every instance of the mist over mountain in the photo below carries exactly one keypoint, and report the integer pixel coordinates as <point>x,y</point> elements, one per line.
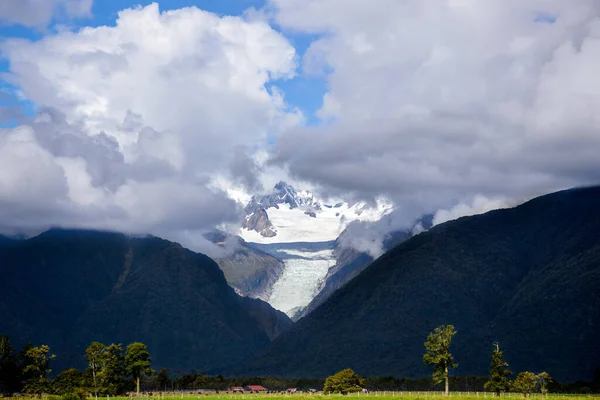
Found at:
<point>527,277</point>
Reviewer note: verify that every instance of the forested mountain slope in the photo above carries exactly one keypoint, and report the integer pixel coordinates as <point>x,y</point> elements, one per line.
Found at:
<point>69,288</point>
<point>527,277</point>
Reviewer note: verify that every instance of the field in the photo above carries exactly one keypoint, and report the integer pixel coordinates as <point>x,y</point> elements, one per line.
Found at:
<point>320,396</point>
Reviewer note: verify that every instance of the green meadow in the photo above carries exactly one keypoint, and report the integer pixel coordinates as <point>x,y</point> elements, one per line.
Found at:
<point>319,396</point>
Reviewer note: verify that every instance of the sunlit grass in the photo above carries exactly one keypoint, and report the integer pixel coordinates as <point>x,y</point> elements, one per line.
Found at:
<point>317,396</point>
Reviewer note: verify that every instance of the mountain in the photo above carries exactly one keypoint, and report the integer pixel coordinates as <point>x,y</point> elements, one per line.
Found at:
<point>69,288</point>
<point>350,262</point>
<point>299,229</point>
<point>251,272</point>
<point>289,215</point>
<point>527,277</point>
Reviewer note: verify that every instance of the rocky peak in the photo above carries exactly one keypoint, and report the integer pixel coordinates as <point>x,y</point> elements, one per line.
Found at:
<point>257,218</point>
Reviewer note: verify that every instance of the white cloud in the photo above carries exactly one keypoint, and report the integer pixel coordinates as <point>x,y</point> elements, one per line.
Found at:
<point>479,205</point>
<point>138,119</point>
<point>39,13</point>
<point>430,101</point>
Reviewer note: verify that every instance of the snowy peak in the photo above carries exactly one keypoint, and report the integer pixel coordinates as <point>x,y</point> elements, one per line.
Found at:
<point>291,215</point>
<point>283,193</point>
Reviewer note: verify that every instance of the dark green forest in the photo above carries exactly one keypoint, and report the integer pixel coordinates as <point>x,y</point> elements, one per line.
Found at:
<point>111,371</point>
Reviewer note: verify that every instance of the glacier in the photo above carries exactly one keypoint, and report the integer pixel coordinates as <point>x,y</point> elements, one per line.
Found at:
<point>305,232</point>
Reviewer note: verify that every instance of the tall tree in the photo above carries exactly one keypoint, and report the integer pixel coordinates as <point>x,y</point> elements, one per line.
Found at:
<point>111,378</point>
<point>543,379</point>
<point>9,369</point>
<point>499,372</point>
<point>39,366</point>
<point>525,383</point>
<point>138,362</point>
<point>438,354</point>
<point>95,354</point>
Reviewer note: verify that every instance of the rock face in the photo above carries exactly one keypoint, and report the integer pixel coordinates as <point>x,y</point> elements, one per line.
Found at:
<point>258,221</point>
<point>69,288</point>
<point>526,277</point>
<point>251,272</point>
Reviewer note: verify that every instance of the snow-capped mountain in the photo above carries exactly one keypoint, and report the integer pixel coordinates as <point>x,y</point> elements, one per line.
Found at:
<point>289,215</point>
<point>300,229</point>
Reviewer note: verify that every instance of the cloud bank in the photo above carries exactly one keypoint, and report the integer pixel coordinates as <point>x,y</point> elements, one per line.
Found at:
<point>433,101</point>
<point>138,118</point>
<point>431,104</point>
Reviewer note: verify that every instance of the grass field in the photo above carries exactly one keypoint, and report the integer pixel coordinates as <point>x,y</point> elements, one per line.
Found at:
<point>317,396</point>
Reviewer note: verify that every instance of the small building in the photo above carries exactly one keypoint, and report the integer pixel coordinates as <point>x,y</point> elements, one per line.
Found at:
<point>256,389</point>
<point>236,389</point>
<point>292,390</point>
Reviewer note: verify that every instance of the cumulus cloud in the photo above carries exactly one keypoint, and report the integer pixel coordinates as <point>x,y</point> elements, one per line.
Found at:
<point>432,101</point>
<point>39,13</point>
<point>137,119</point>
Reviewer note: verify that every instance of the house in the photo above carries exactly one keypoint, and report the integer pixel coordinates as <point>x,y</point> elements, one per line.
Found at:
<point>236,389</point>
<point>256,389</point>
<point>292,390</point>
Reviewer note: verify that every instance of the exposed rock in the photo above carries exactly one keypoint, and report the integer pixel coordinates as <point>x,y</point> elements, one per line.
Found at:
<point>311,214</point>
<point>251,272</point>
<point>259,221</point>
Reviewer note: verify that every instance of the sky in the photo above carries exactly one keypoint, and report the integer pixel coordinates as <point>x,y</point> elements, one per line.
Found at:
<point>136,116</point>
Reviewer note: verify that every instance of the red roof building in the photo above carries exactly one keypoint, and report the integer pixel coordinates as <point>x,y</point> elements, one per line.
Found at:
<point>256,388</point>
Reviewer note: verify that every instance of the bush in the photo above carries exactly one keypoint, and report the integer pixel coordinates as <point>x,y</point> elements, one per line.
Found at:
<point>344,382</point>
<point>78,394</point>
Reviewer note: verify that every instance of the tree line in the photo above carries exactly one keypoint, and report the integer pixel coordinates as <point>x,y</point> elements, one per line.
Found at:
<point>110,371</point>
<point>113,370</point>
<point>438,356</point>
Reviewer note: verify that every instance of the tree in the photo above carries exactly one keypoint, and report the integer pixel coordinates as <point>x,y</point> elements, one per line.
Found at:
<point>138,362</point>
<point>525,383</point>
<point>543,379</point>
<point>438,354</point>
<point>499,372</point>
<point>39,361</point>
<point>343,382</point>
<point>162,380</point>
<point>9,368</point>
<point>111,377</point>
<point>67,381</point>
<point>95,354</point>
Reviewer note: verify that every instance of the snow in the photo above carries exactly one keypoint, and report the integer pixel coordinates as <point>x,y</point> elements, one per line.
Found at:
<point>301,279</point>
<point>305,269</point>
<point>293,225</point>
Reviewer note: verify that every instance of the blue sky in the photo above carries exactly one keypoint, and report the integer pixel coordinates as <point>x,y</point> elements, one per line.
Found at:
<point>304,92</point>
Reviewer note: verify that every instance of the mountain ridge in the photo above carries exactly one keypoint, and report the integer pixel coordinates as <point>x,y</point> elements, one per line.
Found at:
<point>518,276</point>
<point>68,288</point>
